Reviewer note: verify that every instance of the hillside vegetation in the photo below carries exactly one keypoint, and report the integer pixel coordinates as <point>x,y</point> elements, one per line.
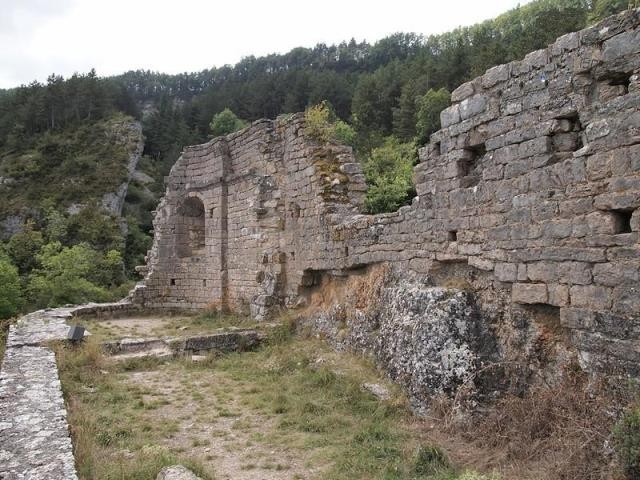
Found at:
<point>63,144</point>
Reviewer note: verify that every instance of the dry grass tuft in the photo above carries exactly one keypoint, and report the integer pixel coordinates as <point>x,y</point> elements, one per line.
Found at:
<point>559,432</point>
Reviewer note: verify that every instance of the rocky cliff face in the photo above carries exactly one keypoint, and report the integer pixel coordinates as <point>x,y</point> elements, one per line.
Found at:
<point>130,136</point>
<point>68,170</point>
<point>529,197</point>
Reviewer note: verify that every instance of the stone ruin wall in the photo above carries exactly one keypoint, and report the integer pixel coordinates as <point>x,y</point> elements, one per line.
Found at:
<point>532,184</point>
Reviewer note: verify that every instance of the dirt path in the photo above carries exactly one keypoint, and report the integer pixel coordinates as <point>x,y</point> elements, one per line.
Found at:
<point>214,426</point>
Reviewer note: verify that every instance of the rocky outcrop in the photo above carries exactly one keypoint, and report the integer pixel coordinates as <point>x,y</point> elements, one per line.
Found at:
<point>129,135</point>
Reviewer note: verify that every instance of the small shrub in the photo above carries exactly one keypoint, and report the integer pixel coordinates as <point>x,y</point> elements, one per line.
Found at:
<point>317,123</point>
<point>344,133</point>
<point>322,126</point>
<point>627,437</point>
<point>226,122</point>
<point>389,173</point>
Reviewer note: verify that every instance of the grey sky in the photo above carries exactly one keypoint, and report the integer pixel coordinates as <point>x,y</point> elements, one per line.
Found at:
<point>40,37</point>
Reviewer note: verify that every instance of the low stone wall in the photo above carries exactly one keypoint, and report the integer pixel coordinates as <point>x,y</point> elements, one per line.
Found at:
<point>34,435</point>
<point>232,341</point>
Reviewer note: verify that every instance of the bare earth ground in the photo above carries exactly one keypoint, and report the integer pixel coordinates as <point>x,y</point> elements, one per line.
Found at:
<point>215,425</point>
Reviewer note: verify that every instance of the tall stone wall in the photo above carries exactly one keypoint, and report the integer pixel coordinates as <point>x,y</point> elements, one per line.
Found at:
<point>532,185</point>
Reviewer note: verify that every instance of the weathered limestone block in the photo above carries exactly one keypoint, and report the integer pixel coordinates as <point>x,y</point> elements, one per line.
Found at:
<point>529,293</point>
<point>463,91</point>
<point>591,296</point>
<point>495,75</point>
<point>472,106</point>
<point>450,116</point>
<point>506,272</point>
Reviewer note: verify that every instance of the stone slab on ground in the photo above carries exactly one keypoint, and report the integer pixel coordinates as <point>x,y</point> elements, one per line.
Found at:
<point>34,439</point>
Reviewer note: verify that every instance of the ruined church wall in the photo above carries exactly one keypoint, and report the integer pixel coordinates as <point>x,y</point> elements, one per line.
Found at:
<point>260,191</point>
<point>533,180</point>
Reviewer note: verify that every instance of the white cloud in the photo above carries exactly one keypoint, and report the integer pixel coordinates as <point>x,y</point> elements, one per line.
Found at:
<point>112,36</point>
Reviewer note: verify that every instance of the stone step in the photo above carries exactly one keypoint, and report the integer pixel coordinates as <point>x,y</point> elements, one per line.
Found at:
<point>232,341</point>
<point>151,352</point>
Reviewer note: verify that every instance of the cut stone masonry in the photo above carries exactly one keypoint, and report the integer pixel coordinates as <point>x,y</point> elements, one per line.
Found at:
<point>529,194</point>
<point>533,178</point>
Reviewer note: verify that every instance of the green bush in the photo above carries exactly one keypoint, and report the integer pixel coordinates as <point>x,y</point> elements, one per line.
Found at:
<point>389,174</point>
<point>92,226</point>
<point>627,439</point>
<point>74,274</point>
<point>24,246</point>
<point>322,126</point>
<point>344,133</point>
<point>226,122</point>
<point>10,292</point>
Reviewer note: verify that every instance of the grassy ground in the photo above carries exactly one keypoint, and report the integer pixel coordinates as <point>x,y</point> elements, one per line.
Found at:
<point>293,409</point>
<point>162,325</point>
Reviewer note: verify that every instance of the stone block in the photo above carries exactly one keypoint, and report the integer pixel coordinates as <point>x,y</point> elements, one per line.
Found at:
<point>626,299</point>
<point>506,272</point>
<point>558,294</point>
<point>481,263</point>
<point>537,146</point>
<point>450,116</point>
<point>472,106</point>
<point>627,43</point>
<point>463,91</point>
<point>590,296</point>
<point>522,272</point>
<point>565,43</point>
<point>635,221</point>
<point>529,293</point>
<point>617,201</point>
<point>494,75</point>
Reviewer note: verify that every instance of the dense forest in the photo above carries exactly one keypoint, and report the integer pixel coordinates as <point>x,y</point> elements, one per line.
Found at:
<point>382,98</point>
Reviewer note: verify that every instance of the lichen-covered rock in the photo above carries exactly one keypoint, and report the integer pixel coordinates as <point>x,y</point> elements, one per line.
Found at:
<point>176,472</point>
<point>427,337</point>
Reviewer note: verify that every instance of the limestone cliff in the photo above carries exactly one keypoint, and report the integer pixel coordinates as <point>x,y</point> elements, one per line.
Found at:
<point>68,170</point>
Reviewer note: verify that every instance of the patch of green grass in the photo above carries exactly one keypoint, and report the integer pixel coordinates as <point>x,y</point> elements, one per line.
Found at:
<point>351,433</point>
<point>113,435</point>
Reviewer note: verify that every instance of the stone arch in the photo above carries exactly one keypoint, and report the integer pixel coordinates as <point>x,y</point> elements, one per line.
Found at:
<point>191,232</point>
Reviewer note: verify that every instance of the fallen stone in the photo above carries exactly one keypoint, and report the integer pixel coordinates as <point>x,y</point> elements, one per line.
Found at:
<point>378,390</point>
<point>176,472</point>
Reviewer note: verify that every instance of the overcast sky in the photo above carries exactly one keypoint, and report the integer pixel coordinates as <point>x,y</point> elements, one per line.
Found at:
<point>39,37</point>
